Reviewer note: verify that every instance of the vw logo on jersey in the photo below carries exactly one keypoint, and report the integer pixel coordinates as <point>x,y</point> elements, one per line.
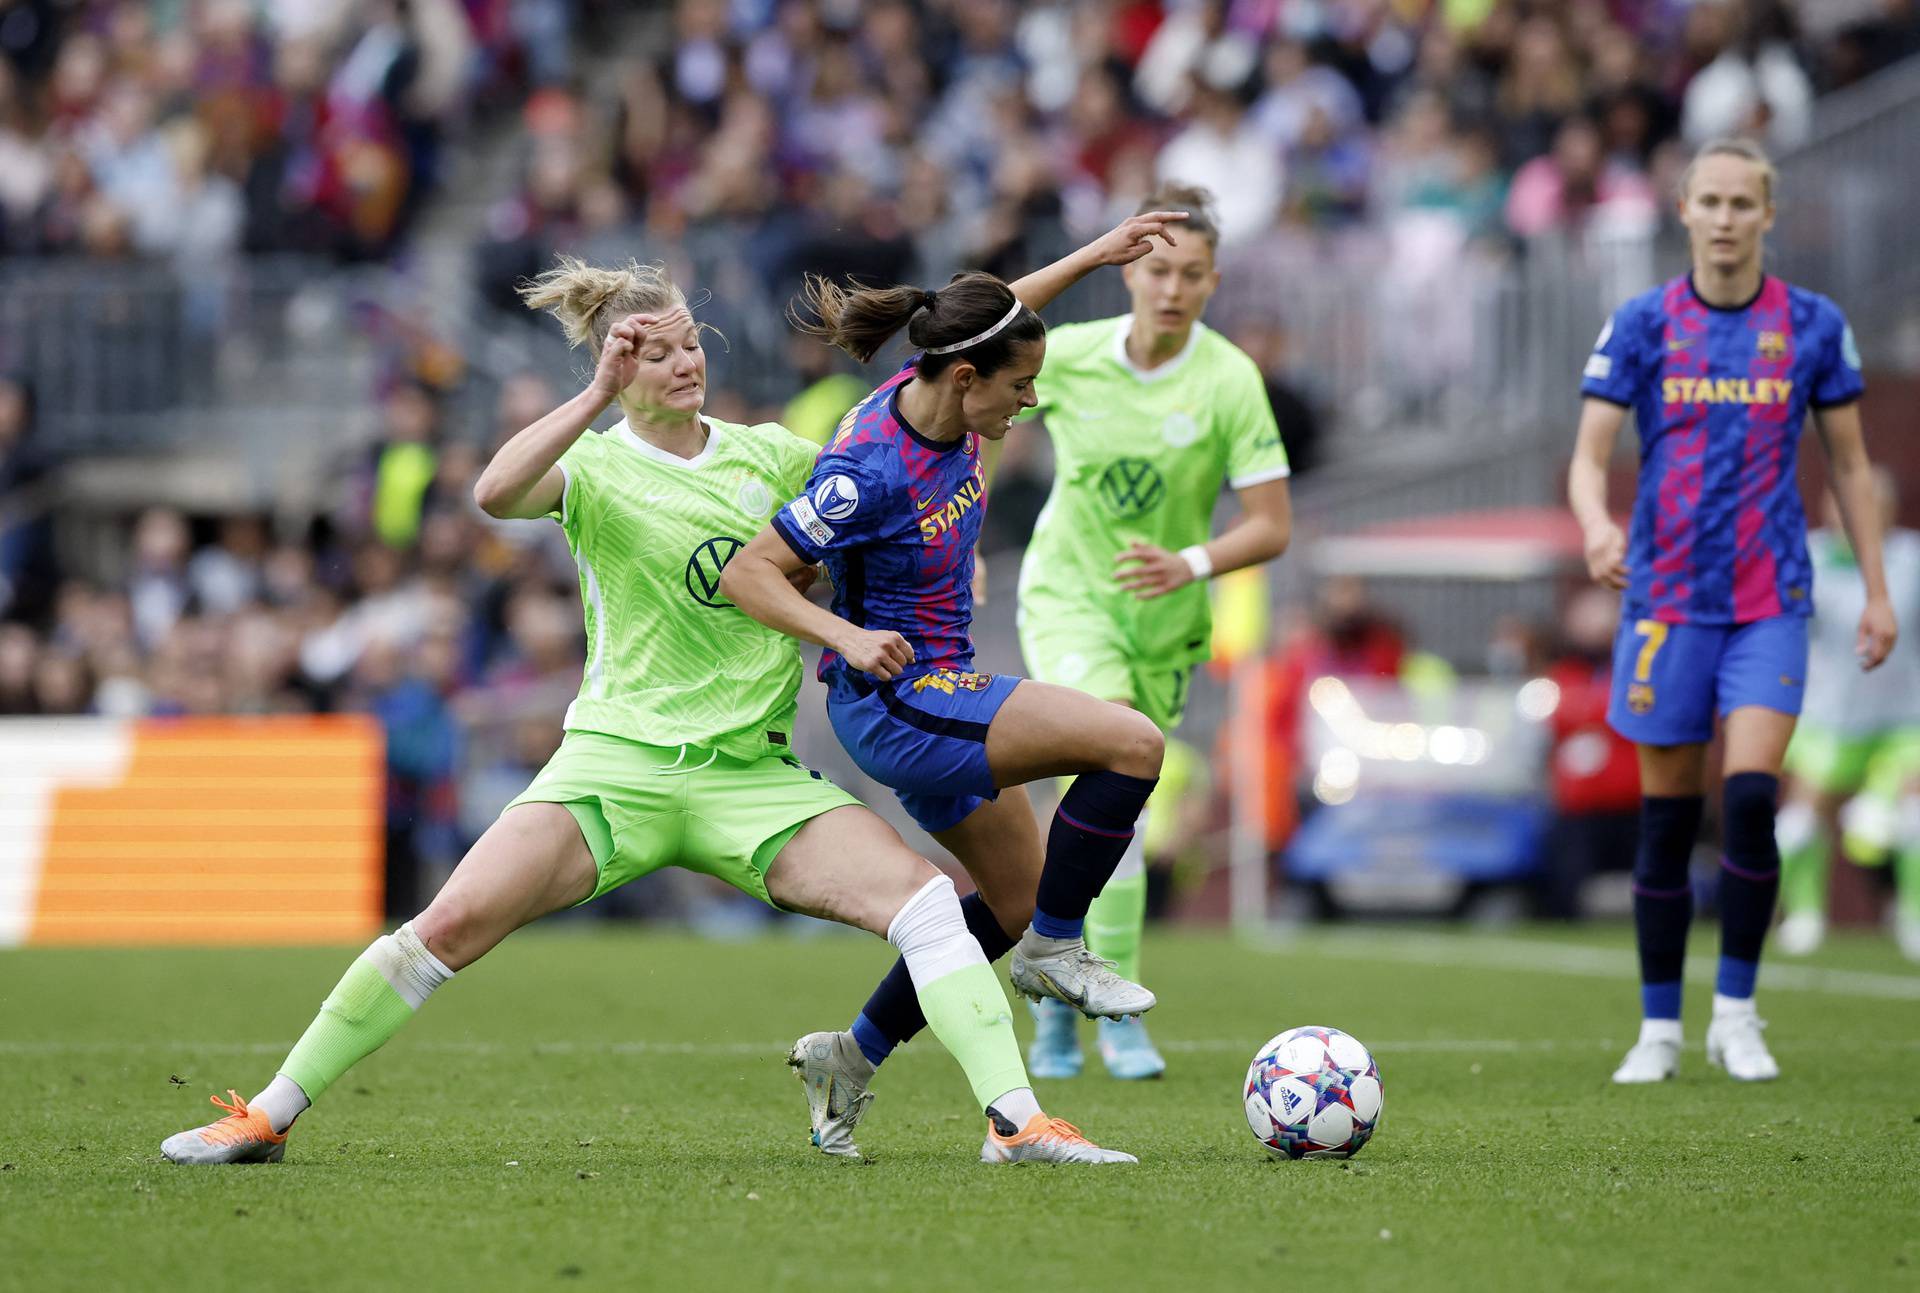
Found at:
<point>836,497</point>
<point>704,567</point>
<point>1131,487</point>
<point>755,498</point>
<point>1179,429</point>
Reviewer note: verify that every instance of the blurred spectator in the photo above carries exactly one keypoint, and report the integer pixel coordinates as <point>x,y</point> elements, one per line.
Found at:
<point>1595,773</point>
<point>1266,344</point>
<point>1576,185</point>
<point>1753,83</point>
<point>26,541</point>
<point>391,494</point>
<point>1222,151</point>
<point>826,394</point>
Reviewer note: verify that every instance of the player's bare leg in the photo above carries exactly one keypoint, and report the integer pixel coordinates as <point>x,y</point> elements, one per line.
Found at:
<point>530,862</point>
<point>849,865</point>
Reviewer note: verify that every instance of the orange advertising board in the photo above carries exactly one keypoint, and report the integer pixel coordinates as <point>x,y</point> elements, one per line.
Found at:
<point>194,830</point>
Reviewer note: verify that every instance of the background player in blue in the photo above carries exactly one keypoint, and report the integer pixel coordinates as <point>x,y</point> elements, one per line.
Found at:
<point>1719,367</point>
<point>894,509</point>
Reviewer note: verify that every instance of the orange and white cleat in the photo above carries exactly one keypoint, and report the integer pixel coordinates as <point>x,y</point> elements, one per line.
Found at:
<point>243,1136</point>
<point>1042,1140</point>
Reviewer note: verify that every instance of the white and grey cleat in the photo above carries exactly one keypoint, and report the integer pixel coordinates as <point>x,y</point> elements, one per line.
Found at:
<point>1042,1140</point>
<point>244,1136</point>
<point>835,1075</point>
<point>1734,1043</point>
<point>1066,971</point>
<point>1652,1059</point>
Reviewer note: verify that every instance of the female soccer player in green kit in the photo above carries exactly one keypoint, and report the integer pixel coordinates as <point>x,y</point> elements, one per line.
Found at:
<point>678,749</point>
<point>1150,415</point>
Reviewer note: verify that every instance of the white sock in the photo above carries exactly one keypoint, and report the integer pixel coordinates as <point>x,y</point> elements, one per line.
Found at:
<point>282,1102</point>
<point>1660,1030</point>
<point>1723,1006</point>
<point>1040,945</point>
<point>406,964</point>
<point>1017,1106</point>
<point>931,933</point>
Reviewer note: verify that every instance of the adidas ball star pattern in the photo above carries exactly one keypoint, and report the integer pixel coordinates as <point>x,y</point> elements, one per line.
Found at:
<point>1313,1093</point>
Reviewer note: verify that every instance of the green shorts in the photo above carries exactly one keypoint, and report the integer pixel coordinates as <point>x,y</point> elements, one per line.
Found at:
<point>643,807</point>
<point>1837,764</point>
<point>1087,651</point>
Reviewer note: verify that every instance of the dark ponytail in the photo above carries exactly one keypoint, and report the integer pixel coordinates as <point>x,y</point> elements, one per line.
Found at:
<point>860,320</point>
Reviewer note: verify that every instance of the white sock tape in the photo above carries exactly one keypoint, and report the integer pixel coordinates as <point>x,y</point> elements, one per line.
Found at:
<point>932,935</point>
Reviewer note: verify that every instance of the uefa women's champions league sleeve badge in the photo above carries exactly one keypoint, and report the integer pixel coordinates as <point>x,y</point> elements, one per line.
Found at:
<point>837,497</point>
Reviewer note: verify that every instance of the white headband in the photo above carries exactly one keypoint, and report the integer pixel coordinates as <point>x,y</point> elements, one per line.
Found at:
<point>988,335</point>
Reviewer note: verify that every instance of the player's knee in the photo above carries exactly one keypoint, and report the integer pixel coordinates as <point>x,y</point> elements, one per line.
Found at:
<point>1748,806</point>
<point>925,899</point>
<point>1140,747</point>
<point>450,928</point>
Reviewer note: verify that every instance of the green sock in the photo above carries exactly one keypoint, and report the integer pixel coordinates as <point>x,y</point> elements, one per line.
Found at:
<point>1116,921</point>
<point>967,1011</point>
<point>379,992</point>
<point>1803,876</point>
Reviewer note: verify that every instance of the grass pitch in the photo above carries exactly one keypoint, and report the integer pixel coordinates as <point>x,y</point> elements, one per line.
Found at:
<point>610,1109</point>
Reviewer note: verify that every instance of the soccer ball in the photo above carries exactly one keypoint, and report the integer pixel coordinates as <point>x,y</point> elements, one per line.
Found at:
<point>1313,1093</point>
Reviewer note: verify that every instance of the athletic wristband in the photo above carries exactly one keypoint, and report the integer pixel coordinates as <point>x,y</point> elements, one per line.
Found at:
<point>1198,561</point>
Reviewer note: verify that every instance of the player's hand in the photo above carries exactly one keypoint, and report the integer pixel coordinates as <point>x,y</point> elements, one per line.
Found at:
<point>1133,237</point>
<point>1878,632</point>
<point>1607,556</point>
<point>979,580</point>
<point>620,356</point>
<point>880,652</point>
<point>1147,571</point>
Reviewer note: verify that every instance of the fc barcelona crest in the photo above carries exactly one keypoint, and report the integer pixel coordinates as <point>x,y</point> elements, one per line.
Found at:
<point>1772,346</point>
<point>1639,698</point>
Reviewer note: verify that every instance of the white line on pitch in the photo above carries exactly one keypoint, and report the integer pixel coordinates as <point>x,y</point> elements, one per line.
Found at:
<point>1484,951</point>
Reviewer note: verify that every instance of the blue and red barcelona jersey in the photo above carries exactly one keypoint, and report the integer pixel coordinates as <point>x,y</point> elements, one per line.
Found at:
<point>1720,396</point>
<point>895,517</point>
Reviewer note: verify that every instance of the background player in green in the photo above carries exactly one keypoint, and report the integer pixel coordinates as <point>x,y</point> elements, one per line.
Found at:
<point>1854,761</point>
<point>1150,415</point>
<point>679,746</point>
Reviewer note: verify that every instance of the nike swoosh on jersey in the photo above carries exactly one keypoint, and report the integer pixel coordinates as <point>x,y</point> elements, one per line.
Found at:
<point>1680,343</point>
<point>918,506</point>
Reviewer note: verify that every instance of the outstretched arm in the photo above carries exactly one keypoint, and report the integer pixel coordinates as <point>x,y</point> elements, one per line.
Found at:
<point>1841,432</point>
<point>760,580</point>
<point>1600,424</point>
<point>1126,243</point>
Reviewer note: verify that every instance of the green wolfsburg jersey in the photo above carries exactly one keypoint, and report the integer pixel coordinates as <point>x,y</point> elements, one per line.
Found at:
<point>669,661</point>
<point>1141,456</point>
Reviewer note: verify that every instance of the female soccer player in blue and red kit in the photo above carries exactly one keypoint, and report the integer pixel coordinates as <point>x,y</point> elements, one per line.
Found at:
<point>1719,367</point>
<point>893,509</point>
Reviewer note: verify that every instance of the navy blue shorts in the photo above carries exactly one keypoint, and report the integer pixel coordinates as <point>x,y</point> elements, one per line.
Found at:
<point>1669,680</point>
<point>926,737</point>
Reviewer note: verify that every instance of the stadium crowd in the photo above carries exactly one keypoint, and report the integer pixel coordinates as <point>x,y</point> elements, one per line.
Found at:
<point>882,137</point>
<point>196,129</point>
